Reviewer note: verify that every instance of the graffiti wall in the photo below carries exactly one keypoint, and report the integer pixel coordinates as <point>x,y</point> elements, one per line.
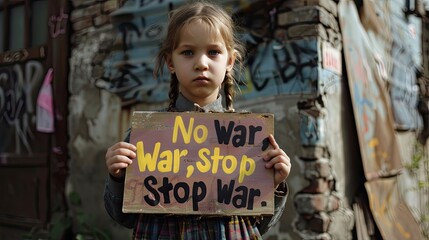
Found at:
<point>274,65</point>
<point>20,84</point>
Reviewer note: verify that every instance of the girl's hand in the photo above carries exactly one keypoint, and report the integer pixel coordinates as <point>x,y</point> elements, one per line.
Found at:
<point>118,157</point>
<point>276,158</point>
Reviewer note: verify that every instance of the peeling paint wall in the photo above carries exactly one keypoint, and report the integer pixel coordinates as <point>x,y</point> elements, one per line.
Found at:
<point>94,114</point>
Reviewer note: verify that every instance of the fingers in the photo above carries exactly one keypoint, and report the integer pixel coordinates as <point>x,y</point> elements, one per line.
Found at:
<point>117,169</point>
<point>276,158</point>
<point>273,141</point>
<point>122,148</point>
<point>118,157</point>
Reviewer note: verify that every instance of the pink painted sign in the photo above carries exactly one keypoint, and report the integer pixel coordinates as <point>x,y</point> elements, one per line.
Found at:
<point>200,163</point>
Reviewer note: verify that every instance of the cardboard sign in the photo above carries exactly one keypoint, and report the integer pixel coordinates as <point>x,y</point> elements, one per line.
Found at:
<point>200,163</point>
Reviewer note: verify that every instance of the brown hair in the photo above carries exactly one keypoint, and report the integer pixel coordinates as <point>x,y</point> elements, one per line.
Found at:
<point>216,18</point>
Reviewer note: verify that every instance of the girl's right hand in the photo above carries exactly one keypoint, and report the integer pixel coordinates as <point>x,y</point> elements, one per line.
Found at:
<point>118,157</point>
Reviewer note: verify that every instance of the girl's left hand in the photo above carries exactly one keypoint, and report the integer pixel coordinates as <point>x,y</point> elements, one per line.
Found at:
<point>276,158</point>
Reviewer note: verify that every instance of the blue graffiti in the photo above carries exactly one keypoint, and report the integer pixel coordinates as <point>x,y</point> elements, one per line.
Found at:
<point>272,67</point>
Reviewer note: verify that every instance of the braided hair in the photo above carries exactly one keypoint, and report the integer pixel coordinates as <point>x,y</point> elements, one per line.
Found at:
<point>173,93</point>
<point>229,90</point>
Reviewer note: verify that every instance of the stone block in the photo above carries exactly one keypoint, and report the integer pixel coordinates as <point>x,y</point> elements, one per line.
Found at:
<point>109,6</point>
<point>333,201</point>
<point>101,20</point>
<point>309,14</point>
<point>83,3</point>
<point>318,185</point>
<point>311,153</point>
<point>82,23</point>
<point>302,31</point>
<point>320,168</point>
<point>309,204</point>
<point>335,39</point>
<point>76,14</point>
<point>319,223</point>
<point>329,5</point>
<point>93,10</point>
<point>315,227</point>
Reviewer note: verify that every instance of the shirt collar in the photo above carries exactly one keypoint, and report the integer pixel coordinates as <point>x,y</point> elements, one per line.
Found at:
<point>184,105</point>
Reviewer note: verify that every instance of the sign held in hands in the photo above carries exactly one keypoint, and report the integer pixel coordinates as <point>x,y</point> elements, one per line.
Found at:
<point>200,163</point>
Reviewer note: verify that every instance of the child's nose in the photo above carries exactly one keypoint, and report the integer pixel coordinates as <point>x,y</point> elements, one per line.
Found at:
<point>201,63</point>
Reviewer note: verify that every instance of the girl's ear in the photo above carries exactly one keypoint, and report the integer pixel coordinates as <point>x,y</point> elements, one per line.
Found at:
<point>170,64</point>
<point>231,61</point>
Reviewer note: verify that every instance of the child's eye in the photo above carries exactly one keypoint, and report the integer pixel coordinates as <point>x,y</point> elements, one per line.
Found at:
<point>187,53</point>
<point>214,52</point>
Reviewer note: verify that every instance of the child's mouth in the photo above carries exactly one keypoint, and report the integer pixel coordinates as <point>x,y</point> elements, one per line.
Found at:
<point>201,79</point>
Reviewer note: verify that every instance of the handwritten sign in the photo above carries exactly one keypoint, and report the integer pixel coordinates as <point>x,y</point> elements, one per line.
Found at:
<point>200,163</point>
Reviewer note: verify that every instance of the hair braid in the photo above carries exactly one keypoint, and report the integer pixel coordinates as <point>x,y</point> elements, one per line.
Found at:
<point>173,94</point>
<point>228,88</point>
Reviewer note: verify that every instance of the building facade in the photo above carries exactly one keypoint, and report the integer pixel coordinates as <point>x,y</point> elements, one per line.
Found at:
<point>346,81</point>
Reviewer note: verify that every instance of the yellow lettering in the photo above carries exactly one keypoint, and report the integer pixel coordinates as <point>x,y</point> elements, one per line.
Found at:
<point>178,124</point>
<point>205,165</point>
<point>205,132</point>
<point>216,158</point>
<point>147,160</point>
<point>177,156</point>
<point>247,167</point>
<point>165,165</point>
<point>231,169</point>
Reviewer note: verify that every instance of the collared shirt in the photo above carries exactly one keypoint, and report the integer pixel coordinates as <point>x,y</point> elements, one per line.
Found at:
<point>162,226</point>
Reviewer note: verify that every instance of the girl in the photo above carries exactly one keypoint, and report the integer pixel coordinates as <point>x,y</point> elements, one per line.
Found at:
<point>200,51</point>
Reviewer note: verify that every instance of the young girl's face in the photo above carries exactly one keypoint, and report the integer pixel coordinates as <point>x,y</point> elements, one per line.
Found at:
<point>200,62</point>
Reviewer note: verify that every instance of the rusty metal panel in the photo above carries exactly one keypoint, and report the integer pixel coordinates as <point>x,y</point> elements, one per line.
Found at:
<point>371,106</point>
<point>375,129</point>
<point>390,212</point>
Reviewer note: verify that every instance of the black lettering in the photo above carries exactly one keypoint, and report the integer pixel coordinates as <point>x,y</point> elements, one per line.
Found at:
<point>265,144</point>
<point>252,195</point>
<point>224,192</point>
<point>165,189</point>
<point>240,198</point>
<point>185,188</point>
<point>239,139</point>
<point>252,133</point>
<point>152,202</point>
<point>197,197</point>
<point>223,135</point>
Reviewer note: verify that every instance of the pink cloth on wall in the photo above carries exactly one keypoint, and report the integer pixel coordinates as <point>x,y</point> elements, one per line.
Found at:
<point>45,105</point>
